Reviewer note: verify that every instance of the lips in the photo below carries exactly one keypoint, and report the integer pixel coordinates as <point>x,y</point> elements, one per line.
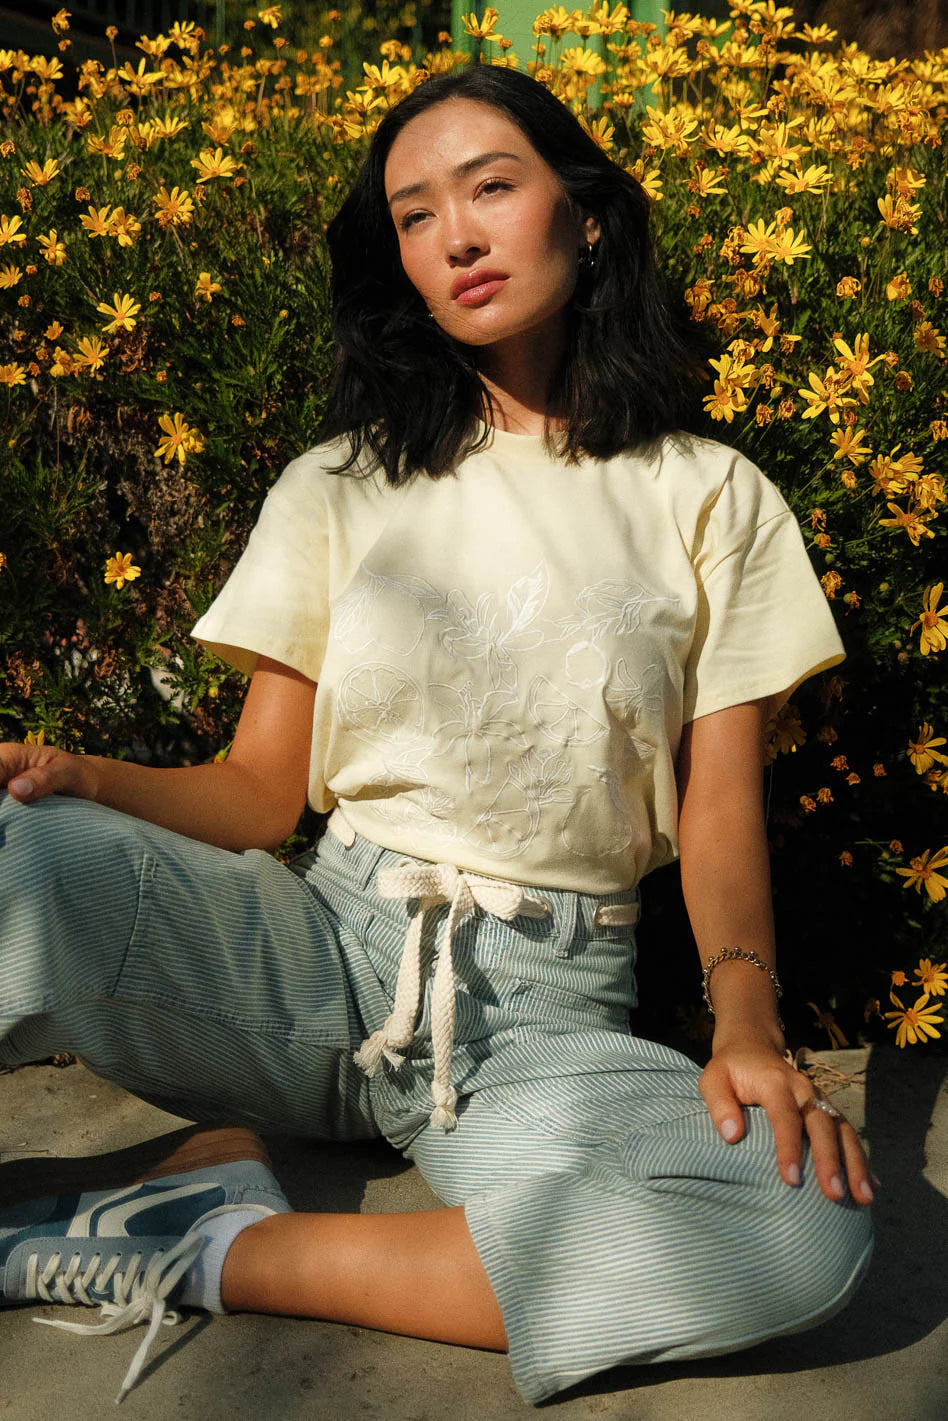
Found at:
<point>478,285</point>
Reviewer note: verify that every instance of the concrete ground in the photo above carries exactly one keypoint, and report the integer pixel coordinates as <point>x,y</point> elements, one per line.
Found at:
<point>885,1357</point>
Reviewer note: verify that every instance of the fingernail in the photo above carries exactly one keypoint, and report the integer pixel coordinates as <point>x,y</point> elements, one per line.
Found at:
<point>836,1186</point>
<point>24,788</point>
<point>865,1191</point>
<point>792,1174</point>
<point>730,1129</point>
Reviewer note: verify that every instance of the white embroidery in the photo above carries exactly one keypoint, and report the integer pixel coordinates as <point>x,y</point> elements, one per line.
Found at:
<point>586,665</point>
<point>560,719</point>
<point>381,610</point>
<point>589,829</point>
<point>380,699</point>
<point>426,810</point>
<point>485,632</point>
<point>478,723</point>
<point>611,607</point>
<point>511,820</point>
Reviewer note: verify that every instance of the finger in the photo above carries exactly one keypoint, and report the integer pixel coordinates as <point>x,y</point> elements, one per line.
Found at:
<point>37,781</point>
<point>723,1105</point>
<point>784,1116</point>
<point>855,1164</point>
<point>823,1132</point>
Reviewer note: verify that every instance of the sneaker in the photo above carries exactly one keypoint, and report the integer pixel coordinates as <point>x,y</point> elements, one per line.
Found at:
<point>120,1231</point>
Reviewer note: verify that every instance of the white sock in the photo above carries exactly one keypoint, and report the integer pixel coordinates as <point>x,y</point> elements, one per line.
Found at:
<point>201,1285</point>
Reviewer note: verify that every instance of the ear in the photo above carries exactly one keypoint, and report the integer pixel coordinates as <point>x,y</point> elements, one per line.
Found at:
<point>590,231</point>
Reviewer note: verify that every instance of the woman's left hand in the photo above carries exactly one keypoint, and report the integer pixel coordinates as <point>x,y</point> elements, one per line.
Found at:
<point>753,1072</point>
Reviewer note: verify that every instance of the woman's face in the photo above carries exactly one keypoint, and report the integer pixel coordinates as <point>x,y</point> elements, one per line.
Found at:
<point>486,233</point>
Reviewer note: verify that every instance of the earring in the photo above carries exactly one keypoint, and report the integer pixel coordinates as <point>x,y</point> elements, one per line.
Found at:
<point>587,259</point>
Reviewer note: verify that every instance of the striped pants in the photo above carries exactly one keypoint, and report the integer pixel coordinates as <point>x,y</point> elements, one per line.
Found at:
<point>613,1222</point>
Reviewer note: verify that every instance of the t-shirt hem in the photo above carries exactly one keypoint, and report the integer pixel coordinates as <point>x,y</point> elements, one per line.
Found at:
<point>772,686</point>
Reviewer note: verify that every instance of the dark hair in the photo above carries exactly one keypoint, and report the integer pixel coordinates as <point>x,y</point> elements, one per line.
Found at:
<point>413,395</point>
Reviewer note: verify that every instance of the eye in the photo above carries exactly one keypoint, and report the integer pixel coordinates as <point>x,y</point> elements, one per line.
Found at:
<point>410,219</point>
<point>492,185</point>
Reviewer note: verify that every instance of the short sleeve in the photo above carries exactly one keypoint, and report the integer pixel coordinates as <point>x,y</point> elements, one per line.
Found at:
<point>275,602</point>
<point>762,624</point>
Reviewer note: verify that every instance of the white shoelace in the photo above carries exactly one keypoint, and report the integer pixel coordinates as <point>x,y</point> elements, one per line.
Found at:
<point>139,1295</point>
<point>432,885</point>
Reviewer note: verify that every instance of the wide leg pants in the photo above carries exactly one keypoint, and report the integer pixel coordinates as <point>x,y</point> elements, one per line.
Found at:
<point>614,1223</point>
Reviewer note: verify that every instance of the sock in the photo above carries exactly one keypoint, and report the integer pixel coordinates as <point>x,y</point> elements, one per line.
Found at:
<point>201,1285</point>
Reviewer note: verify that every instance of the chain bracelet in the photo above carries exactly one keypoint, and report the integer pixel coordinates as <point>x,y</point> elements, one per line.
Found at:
<point>740,954</point>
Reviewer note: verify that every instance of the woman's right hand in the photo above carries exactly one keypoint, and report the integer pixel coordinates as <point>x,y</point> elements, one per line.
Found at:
<point>31,772</point>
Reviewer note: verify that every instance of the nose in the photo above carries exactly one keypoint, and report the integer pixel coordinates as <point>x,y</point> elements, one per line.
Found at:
<point>464,237</point>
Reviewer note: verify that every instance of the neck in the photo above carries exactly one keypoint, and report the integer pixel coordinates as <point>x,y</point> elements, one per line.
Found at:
<point>519,374</point>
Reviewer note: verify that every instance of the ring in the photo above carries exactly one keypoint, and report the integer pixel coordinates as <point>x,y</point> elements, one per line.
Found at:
<point>816,1103</point>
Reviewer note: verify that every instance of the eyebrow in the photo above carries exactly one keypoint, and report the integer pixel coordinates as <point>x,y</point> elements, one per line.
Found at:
<point>461,171</point>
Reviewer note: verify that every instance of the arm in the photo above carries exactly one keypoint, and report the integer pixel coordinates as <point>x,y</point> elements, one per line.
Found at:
<point>726,884</point>
<point>252,800</point>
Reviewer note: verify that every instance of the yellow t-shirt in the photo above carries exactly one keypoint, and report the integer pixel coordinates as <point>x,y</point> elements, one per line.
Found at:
<point>506,655</point>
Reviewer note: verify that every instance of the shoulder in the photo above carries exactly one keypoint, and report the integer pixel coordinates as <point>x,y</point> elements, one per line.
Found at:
<point>713,473</point>
<point>318,479</point>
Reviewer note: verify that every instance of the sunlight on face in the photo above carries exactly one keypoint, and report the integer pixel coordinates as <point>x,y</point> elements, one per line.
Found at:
<point>487,235</point>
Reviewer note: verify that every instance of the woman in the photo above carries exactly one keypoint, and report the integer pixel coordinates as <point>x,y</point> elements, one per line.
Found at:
<point>547,633</point>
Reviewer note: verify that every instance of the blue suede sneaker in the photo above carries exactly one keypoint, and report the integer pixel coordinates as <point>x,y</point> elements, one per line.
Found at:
<point>119,1232</point>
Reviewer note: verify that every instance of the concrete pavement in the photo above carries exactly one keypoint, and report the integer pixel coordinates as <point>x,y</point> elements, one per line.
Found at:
<point>885,1357</point>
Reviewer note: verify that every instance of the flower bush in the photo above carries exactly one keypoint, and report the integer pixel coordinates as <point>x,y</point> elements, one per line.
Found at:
<point>164,350</point>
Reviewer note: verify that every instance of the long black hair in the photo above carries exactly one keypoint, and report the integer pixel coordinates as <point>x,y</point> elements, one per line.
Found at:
<point>413,396</point>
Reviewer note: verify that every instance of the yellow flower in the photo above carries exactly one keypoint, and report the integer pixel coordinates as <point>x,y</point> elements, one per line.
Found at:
<point>124,226</point>
<point>850,444</point>
<point>216,164</point>
<point>205,288</point>
<point>929,338</point>
<point>53,331</point>
<point>827,1021</point>
<point>827,394</point>
<point>923,870</point>
<point>899,215</point>
<point>848,287</point>
<point>706,182</point>
<point>858,364</point>
<point>9,231</point>
<point>123,312</point>
<point>601,131</point>
<point>120,569</point>
<point>650,182</point>
<point>922,752</point>
<point>481,29</point>
<point>899,288</point>
<point>813,179</point>
<point>180,439</point>
<point>555,22</point>
<point>60,21</point>
<point>12,375</point>
<point>932,977</point>
<point>175,208</point>
<point>272,15</point>
<point>784,733</point>
<point>934,633</point>
<point>939,430</point>
<point>910,519</point>
<point>92,353</point>
<point>40,176</point>
<point>53,249</point>
<point>96,221</point>
<point>37,737</point>
<point>914,1024</point>
<point>62,363</point>
<point>584,62</point>
<point>9,276</point>
<point>726,401</point>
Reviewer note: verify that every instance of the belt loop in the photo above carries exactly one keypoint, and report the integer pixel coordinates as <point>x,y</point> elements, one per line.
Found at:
<point>340,828</point>
<point>567,926</point>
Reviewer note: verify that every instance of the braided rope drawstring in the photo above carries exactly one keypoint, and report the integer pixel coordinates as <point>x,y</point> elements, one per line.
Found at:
<point>433,884</point>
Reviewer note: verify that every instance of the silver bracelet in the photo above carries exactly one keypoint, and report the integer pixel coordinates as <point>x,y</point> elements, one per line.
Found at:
<point>741,955</point>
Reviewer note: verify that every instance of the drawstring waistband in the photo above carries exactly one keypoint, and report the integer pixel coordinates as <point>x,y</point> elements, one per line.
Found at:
<point>432,885</point>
